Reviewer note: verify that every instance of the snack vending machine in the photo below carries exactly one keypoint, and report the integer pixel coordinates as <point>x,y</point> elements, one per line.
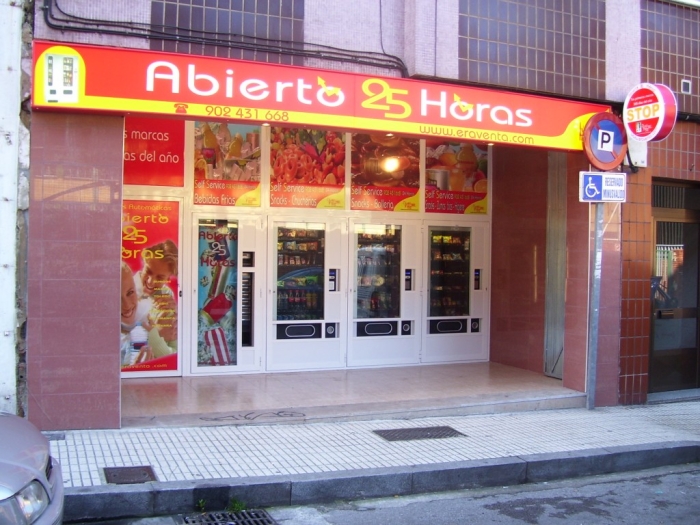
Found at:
<point>457,294</point>
<point>305,292</point>
<point>385,294</point>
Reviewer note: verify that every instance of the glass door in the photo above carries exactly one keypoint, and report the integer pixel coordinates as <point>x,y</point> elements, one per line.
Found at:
<point>299,272</point>
<point>378,265</point>
<point>674,350</point>
<point>449,273</point>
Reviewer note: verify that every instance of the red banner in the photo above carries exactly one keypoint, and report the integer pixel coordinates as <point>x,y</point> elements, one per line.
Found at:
<point>154,151</point>
<point>97,78</point>
<point>149,285</point>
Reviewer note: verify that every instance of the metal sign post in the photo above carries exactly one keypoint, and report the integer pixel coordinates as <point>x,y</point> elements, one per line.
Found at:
<point>594,308</point>
<point>597,188</point>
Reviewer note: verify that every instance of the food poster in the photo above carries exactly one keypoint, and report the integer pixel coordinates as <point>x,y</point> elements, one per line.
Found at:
<point>455,177</point>
<point>216,293</point>
<point>154,151</point>
<point>149,286</point>
<point>385,173</point>
<point>307,168</point>
<point>226,164</point>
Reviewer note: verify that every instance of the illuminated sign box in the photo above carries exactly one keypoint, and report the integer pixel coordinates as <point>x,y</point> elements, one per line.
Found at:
<point>119,80</point>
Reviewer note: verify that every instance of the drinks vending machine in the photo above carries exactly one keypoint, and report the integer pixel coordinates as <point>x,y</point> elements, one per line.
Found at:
<point>457,295</point>
<point>306,299</point>
<point>385,295</point>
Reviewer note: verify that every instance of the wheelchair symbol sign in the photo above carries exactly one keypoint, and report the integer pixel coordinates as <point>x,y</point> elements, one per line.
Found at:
<point>602,187</point>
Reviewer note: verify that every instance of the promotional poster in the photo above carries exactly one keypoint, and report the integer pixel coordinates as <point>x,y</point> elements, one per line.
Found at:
<point>385,173</point>
<point>149,285</point>
<point>226,164</point>
<point>307,168</point>
<point>216,293</point>
<point>455,177</point>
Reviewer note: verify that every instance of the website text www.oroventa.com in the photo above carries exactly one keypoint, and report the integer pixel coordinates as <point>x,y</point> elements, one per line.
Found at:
<point>474,134</point>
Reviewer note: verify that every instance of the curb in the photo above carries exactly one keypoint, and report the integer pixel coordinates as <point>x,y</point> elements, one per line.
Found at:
<point>180,497</point>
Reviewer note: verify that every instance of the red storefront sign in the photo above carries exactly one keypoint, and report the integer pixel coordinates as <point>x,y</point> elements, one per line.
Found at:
<point>95,78</point>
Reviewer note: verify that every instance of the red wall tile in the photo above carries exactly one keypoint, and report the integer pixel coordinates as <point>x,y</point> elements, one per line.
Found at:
<point>73,284</point>
<point>518,257</point>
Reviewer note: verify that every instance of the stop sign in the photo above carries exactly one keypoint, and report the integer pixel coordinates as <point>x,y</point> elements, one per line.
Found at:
<point>650,112</point>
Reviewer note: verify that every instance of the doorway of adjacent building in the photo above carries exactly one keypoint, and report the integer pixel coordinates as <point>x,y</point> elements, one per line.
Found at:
<point>675,349</point>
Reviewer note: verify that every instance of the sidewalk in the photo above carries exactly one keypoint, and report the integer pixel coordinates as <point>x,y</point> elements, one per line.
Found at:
<point>265,465</point>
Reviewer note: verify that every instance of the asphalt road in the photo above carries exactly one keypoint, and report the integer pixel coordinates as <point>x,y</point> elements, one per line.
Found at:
<point>668,495</point>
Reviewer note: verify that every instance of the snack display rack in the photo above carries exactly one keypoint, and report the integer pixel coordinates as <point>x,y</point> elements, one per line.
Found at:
<point>300,267</point>
<point>379,274</point>
<point>449,272</point>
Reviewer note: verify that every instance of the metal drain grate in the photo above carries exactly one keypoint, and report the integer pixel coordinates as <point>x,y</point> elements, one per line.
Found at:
<point>410,434</point>
<point>244,517</point>
<point>128,475</point>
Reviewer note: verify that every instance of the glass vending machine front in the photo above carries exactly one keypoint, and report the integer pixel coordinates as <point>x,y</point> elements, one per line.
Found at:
<point>299,272</point>
<point>378,290</point>
<point>449,277</point>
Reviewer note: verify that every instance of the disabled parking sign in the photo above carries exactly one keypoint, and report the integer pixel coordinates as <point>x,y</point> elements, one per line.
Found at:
<point>602,187</point>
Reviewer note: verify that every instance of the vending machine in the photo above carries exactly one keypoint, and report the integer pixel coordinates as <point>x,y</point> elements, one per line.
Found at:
<point>384,296</point>
<point>305,291</point>
<point>456,302</point>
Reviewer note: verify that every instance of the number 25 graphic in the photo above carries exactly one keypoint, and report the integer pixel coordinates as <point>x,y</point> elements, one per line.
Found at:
<point>131,233</point>
<point>382,98</point>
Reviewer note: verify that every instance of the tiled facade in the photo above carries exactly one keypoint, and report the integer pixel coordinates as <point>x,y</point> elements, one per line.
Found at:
<point>539,45</point>
<point>551,47</point>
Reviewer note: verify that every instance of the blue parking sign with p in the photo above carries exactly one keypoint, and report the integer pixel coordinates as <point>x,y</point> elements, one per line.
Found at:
<point>605,141</point>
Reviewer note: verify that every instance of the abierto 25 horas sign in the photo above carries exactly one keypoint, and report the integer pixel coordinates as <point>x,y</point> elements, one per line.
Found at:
<point>76,77</point>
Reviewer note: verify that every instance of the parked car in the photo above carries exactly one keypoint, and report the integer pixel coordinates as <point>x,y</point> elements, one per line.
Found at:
<point>31,484</point>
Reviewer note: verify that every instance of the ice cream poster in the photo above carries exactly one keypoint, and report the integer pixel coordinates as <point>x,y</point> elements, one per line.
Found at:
<point>455,177</point>
<point>149,286</point>
<point>226,164</point>
<point>216,293</point>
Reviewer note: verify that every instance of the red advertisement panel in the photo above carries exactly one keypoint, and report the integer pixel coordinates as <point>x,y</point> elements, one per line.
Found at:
<point>154,151</point>
<point>385,173</point>
<point>226,164</point>
<point>455,176</point>
<point>149,286</point>
<point>308,168</point>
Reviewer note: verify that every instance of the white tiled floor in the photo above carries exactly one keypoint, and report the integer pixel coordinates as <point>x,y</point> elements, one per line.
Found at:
<point>234,451</point>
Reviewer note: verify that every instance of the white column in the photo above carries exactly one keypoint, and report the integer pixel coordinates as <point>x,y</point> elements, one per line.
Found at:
<point>11,16</point>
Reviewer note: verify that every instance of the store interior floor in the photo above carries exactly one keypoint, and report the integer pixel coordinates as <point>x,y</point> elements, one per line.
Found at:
<point>340,395</point>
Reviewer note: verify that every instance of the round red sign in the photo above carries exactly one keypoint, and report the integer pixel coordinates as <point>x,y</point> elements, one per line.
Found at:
<point>649,113</point>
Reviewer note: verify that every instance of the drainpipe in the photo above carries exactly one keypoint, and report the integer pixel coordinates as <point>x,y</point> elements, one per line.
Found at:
<point>11,18</point>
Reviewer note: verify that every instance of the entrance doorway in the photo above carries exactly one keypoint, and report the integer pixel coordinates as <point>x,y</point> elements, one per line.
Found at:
<point>675,349</point>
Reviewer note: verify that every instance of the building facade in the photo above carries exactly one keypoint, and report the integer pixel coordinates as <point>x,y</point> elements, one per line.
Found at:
<point>474,248</point>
